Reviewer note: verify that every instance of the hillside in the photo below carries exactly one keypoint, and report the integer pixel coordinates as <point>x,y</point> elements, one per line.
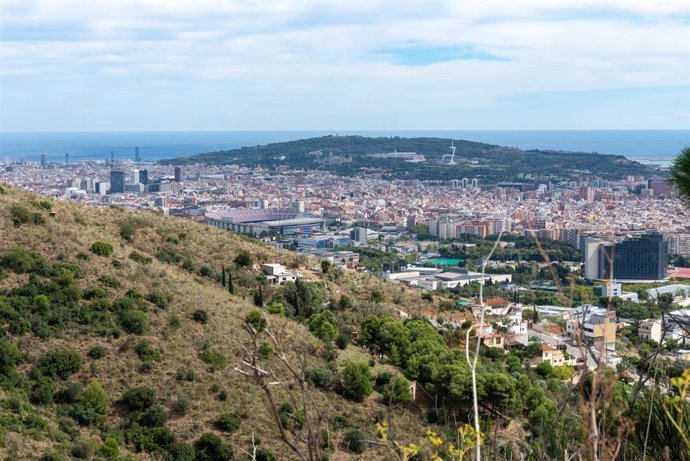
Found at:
<point>351,155</point>
<point>137,336</point>
<point>175,272</point>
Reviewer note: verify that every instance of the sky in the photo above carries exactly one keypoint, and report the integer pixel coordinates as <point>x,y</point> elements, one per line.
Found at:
<point>130,65</point>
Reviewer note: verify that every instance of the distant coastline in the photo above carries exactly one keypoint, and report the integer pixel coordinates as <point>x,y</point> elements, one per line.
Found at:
<point>647,146</point>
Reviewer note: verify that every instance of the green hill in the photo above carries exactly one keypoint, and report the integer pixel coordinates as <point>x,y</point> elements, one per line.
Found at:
<point>352,155</point>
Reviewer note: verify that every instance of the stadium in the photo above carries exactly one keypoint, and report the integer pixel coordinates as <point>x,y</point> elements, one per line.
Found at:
<point>265,221</point>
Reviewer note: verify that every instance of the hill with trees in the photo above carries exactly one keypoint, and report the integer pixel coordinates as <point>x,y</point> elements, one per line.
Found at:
<point>130,335</point>
<point>351,155</point>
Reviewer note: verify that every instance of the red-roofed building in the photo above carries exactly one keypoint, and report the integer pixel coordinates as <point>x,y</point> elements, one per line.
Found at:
<point>681,273</point>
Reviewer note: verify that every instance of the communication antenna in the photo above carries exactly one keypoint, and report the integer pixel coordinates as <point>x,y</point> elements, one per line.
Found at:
<point>452,153</point>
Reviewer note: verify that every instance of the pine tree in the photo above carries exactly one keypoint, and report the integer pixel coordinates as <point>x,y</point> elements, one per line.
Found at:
<point>259,297</point>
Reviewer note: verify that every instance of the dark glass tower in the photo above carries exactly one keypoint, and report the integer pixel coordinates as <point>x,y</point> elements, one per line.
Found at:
<point>643,257</point>
<point>117,181</point>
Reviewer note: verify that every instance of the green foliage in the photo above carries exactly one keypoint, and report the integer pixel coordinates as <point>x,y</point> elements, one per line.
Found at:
<point>93,405</point>
<point>110,448</point>
<point>101,248</point>
<point>138,398</point>
<point>21,261</point>
<point>544,369</point>
<point>181,405</point>
<point>304,298</point>
<point>319,377</point>
<point>342,340</point>
<point>564,372</point>
<point>140,258</point>
<point>206,270</point>
<point>323,325</point>
<point>256,321</point>
<point>42,391</point>
<point>228,422</point>
<point>397,391</point>
<point>200,316</point>
<point>680,174</point>
<point>43,204</point>
<point>97,352</point>
<point>146,352</point>
<point>355,381</point>
<point>131,224</point>
<point>355,441</point>
<point>58,364</point>
<point>134,321</point>
<point>276,308</point>
<point>21,215</point>
<point>213,358</point>
<point>243,259</point>
<point>153,416</point>
<point>110,281</point>
<point>210,447</point>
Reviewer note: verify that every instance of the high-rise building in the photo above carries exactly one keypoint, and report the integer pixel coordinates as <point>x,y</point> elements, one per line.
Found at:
<point>137,156</point>
<point>44,162</point>
<point>134,177</point>
<point>642,257</point>
<point>66,158</point>
<point>144,177</point>
<point>178,174</point>
<point>117,181</point>
<point>112,159</point>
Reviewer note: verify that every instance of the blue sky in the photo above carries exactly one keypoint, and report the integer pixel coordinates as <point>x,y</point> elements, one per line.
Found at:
<point>85,65</point>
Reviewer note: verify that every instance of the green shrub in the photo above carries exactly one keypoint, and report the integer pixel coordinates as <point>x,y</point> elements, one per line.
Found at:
<point>213,358</point>
<point>544,369</point>
<point>181,451</point>
<point>51,456</point>
<point>58,364</point>
<point>276,308</point>
<point>93,405</point>
<point>159,299</point>
<point>110,448</point>
<point>110,281</point>
<point>210,447</point>
<point>134,321</point>
<point>146,352</point>
<point>101,248</point>
<point>228,422</point>
<point>140,258</point>
<point>130,225</point>
<point>342,340</point>
<point>21,261</point>
<point>21,215</point>
<point>138,398</point>
<point>397,391</point>
<point>42,391</point>
<point>181,405</point>
<point>97,352</point>
<point>319,377</point>
<point>83,450</point>
<point>168,255</point>
<point>256,320</point>
<point>356,383</point>
<point>154,416</point>
<point>262,454</point>
<point>206,270</point>
<point>70,394</point>
<point>355,441</point>
<point>45,204</point>
<point>243,259</point>
<point>200,316</point>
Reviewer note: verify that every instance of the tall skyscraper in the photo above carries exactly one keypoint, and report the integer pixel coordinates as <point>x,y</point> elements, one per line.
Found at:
<point>643,257</point>
<point>117,181</point>
<point>137,156</point>
<point>66,158</point>
<point>44,162</point>
<point>178,174</point>
<point>144,177</point>
<point>134,177</point>
<point>112,159</point>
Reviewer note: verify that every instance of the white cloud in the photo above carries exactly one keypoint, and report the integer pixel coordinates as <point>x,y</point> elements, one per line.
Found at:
<point>312,49</point>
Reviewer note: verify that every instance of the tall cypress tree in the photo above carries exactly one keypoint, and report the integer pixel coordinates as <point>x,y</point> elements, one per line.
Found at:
<point>231,285</point>
<point>222,280</point>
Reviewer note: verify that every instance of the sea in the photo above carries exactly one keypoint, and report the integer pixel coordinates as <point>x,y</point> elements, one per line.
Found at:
<point>648,146</point>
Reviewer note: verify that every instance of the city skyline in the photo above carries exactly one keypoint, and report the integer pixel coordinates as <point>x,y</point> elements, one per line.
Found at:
<point>81,66</point>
